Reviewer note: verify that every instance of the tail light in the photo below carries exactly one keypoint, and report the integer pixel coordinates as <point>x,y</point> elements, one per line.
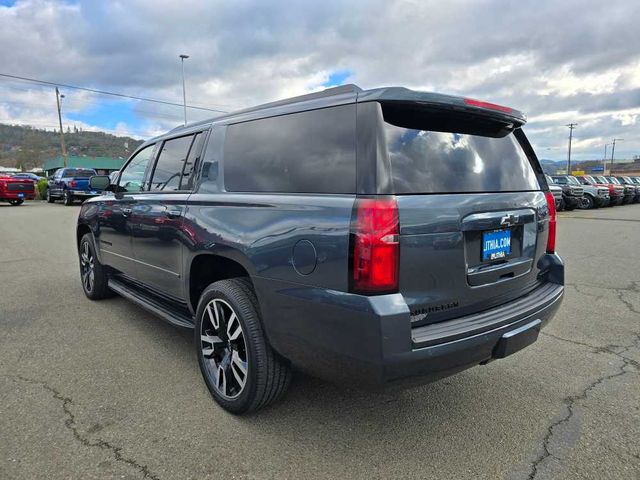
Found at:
<point>375,249</point>
<point>73,183</point>
<point>551,239</point>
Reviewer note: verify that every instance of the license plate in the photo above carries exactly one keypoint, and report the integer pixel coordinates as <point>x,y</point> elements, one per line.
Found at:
<point>496,244</point>
<point>20,195</point>
<point>93,192</point>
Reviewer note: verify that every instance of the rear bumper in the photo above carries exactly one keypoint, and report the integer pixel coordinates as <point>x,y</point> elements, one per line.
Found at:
<point>16,196</point>
<point>368,341</point>
<point>84,193</point>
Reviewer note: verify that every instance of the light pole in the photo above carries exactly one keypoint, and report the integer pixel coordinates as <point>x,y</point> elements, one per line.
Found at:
<point>604,161</point>
<point>59,96</point>
<point>184,91</point>
<point>571,127</point>
<point>613,149</point>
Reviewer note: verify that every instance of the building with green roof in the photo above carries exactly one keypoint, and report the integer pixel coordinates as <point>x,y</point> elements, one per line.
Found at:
<point>102,165</point>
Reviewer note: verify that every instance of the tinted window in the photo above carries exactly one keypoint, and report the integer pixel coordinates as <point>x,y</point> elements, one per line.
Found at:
<point>194,153</point>
<point>132,176</point>
<point>307,152</point>
<point>79,172</point>
<point>429,161</point>
<point>211,161</point>
<point>168,169</point>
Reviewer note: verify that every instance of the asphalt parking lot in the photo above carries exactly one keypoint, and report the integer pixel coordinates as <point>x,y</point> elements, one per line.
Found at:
<point>106,390</point>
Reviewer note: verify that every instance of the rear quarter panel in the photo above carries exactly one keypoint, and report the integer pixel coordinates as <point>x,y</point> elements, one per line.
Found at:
<point>265,233</point>
<point>261,231</point>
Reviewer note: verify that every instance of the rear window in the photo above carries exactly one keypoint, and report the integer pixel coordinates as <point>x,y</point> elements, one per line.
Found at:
<point>79,173</point>
<point>307,152</point>
<point>454,157</point>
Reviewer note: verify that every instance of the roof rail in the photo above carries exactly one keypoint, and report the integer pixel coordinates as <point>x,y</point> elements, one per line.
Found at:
<point>328,92</point>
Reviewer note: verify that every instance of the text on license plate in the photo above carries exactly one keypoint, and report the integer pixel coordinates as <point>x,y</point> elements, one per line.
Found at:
<point>496,244</point>
<point>20,195</point>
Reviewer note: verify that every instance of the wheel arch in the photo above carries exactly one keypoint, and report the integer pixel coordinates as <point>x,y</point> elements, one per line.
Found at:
<point>81,231</point>
<point>206,268</point>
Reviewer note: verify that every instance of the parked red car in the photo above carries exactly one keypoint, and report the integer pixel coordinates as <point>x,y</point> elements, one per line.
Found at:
<point>16,190</point>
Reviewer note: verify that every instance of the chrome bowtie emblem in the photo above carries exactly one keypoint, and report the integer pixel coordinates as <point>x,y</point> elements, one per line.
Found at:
<point>509,220</point>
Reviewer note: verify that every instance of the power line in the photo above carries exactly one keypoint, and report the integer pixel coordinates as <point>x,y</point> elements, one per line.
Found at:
<point>104,92</point>
<point>145,113</point>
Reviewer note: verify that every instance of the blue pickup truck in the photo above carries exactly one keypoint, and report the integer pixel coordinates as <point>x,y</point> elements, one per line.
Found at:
<point>69,184</point>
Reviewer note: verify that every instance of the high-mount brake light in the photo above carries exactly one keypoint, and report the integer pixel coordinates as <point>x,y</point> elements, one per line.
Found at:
<point>375,247</point>
<point>551,239</point>
<point>490,106</point>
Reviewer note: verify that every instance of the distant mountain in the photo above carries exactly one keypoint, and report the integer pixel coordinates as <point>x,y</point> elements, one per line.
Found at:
<point>28,147</point>
<point>550,167</point>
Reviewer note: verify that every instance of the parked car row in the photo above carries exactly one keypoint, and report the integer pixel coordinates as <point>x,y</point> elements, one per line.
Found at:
<point>593,191</point>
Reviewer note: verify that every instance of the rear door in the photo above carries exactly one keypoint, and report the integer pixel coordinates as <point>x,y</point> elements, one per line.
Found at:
<point>473,215</point>
<point>158,216</point>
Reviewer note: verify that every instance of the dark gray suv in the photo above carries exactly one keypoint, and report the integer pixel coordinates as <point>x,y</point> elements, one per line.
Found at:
<point>367,237</point>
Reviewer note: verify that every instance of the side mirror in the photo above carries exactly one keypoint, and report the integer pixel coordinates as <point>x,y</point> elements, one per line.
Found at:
<point>99,182</point>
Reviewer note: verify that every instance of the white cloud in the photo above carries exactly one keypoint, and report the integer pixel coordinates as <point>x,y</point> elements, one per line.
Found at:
<point>560,62</point>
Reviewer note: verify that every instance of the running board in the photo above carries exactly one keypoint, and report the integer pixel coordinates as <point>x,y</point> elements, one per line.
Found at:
<point>157,307</point>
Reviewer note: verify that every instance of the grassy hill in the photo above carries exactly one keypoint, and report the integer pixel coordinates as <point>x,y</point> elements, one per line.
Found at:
<point>28,147</point>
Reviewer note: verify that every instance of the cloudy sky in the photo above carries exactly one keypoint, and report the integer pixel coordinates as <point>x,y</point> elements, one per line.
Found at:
<point>558,61</point>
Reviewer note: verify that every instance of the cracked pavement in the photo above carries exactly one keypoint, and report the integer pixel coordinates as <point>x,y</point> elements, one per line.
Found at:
<point>105,390</point>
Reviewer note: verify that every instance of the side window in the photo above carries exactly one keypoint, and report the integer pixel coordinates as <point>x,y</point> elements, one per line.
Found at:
<point>168,169</point>
<point>211,161</point>
<point>132,176</point>
<point>306,152</point>
<point>194,153</point>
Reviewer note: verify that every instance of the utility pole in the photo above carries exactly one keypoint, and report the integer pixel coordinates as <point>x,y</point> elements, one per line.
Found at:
<point>62,146</point>
<point>604,161</point>
<point>571,127</point>
<point>184,91</point>
<point>613,148</point>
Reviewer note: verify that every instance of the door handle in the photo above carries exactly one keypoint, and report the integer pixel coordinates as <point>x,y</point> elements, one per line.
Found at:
<point>126,212</point>
<point>172,212</point>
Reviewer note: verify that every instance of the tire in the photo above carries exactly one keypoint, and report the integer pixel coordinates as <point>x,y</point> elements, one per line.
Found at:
<point>562,205</point>
<point>67,198</point>
<point>16,202</point>
<point>588,202</point>
<point>94,286</point>
<point>266,376</point>
<point>50,199</point>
